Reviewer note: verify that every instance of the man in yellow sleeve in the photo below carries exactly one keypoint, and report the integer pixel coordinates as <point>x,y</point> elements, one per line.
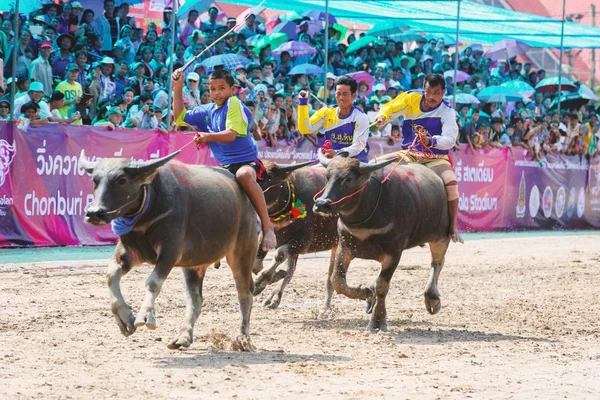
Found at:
<point>429,130</point>
<point>346,126</point>
<point>72,91</point>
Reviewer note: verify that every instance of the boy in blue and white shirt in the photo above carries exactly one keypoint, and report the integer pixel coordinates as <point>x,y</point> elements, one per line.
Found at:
<point>224,126</point>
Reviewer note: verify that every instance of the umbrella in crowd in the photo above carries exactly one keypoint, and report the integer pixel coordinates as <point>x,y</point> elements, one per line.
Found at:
<point>506,48</point>
<point>314,27</point>
<point>341,29</point>
<point>306,69</point>
<point>273,39</point>
<point>569,101</point>
<point>360,43</point>
<point>252,41</point>
<point>319,15</point>
<point>388,28</point>
<point>229,61</point>
<point>365,77</point>
<point>498,94</point>
<point>461,76</point>
<point>551,85</point>
<point>523,88</point>
<point>406,36</point>
<point>289,28</point>
<point>198,5</point>
<point>587,93</point>
<point>463,98</point>
<point>291,16</point>
<point>296,49</point>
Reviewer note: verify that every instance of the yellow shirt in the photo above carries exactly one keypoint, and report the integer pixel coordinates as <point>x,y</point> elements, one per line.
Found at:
<point>71,92</point>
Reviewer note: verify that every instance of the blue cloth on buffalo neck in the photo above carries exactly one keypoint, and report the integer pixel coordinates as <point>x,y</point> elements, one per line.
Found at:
<point>123,225</point>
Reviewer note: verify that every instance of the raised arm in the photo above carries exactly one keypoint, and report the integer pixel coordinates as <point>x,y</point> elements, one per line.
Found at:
<point>306,124</point>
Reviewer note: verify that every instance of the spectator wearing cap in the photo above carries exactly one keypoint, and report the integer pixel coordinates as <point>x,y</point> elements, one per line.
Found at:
<point>107,81</point>
<point>211,25</point>
<point>189,28</point>
<point>34,95</point>
<point>191,94</point>
<point>4,109</point>
<point>231,23</point>
<point>63,57</point>
<point>330,87</point>
<point>72,93</point>
<point>249,30</point>
<point>114,118</point>
<point>379,91</point>
<point>41,70</point>
<point>107,26</point>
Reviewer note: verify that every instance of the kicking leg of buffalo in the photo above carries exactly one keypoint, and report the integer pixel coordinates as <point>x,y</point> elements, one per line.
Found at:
<point>119,266</point>
<point>193,281</point>
<point>432,295</point>
<point>154,283</point>
<point>266,277</point>
<point>382,285</point>
<point>274,299</point>
<point>343,257</point>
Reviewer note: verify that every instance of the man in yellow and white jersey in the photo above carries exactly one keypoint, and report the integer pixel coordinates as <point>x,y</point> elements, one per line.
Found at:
<point>345,126</point>
<point>429,130</point>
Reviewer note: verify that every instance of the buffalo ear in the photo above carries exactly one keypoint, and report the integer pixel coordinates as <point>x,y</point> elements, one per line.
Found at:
<point>289,168</point>
<point>365,168</point>
<point>150,166</point>
<point>87,165</point>
<point>343,154</point>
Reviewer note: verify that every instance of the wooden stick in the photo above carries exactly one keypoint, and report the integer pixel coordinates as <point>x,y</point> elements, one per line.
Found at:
<point>319,100</point>
<point>191,61</point>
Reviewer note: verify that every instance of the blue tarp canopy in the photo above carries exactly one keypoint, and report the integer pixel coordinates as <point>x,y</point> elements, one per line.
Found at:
<point>478,22</point>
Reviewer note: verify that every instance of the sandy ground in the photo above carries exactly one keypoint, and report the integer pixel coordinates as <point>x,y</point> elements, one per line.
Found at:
<point>519,319</point>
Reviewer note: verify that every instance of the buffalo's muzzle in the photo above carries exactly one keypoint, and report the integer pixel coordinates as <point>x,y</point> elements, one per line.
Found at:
<point>96,215</point>
<point>323,207</point>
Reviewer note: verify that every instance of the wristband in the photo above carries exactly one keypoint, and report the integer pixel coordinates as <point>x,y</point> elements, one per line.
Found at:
<point>303,101</point>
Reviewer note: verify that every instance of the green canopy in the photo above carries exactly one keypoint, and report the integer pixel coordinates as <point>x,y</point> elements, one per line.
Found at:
<point>478,22</point>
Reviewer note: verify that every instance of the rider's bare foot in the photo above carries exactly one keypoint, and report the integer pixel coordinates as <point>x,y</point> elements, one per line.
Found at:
<point>269,241</point>
<point>455,236</point>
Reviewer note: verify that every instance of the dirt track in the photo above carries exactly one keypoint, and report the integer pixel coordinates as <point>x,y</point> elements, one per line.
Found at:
<point>520,318</point>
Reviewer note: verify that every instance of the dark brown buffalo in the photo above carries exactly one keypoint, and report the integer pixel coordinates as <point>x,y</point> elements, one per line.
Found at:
<point>382,220</point>
<point>295,236</point>
<point>195,216</point>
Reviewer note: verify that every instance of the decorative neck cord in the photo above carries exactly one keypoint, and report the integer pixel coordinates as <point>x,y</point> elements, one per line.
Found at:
<point>298,209</point>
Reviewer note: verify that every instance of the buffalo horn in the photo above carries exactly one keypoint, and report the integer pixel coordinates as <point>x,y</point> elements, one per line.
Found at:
<point>365,168</point>
<point>287,168</point>
<point>150,165</point>
<point>88,166</point>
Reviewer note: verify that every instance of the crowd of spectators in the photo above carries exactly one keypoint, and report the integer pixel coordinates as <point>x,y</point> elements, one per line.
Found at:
<point>80,68</point>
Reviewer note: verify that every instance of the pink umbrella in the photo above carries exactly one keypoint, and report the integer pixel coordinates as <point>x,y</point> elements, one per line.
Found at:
<point>363,77</point>
<point>461,76</point>
<point>296,49</point>
<point>506,48</point>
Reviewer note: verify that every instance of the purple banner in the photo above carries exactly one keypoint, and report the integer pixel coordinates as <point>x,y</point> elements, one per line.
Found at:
<point>43,192</point>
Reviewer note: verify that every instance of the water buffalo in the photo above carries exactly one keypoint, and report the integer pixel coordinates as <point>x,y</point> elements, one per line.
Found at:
<point>295,236</point>
<point>173,215</point>
<point>378,220</point>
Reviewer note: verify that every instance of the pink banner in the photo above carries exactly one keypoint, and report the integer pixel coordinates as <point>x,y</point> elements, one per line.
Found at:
<point>43,192</point>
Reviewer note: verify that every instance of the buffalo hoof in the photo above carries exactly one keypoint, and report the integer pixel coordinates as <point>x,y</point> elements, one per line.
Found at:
<point>147,320</point>
<point>433,306</point>
<point>376,328</point>
<point>243,343</point>
<point>271,303</point>
<point>127,327</point>
<point>259,286</point>
<point>370,305</point>
<point>325,313</point>
<point>182,341</point>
